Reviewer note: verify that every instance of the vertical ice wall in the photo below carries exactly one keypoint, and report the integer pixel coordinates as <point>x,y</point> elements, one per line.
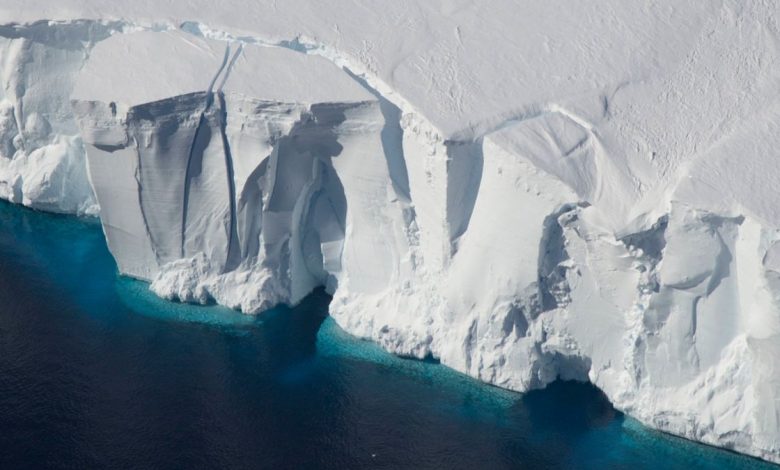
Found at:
<point>41,158</point>
<point>238,176</point>
<point>249,176</point>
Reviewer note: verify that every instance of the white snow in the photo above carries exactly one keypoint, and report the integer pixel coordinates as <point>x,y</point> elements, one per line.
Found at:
<point>526,191</point>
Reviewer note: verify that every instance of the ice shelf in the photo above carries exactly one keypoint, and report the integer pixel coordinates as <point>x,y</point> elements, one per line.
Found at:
<point>525,191</point>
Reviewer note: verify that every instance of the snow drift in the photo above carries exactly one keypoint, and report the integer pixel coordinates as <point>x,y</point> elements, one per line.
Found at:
<point>563,193</point>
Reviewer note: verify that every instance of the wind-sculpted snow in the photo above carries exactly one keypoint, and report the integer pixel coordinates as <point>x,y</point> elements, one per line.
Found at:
<point>539,192</point>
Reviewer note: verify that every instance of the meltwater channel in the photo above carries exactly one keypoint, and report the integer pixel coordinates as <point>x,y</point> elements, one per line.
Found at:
<point>96,372</point>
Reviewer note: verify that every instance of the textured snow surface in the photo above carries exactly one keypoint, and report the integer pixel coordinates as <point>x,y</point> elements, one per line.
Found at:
<point>526,191</point>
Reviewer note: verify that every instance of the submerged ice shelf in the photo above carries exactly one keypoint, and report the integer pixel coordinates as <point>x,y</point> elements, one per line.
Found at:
<point>575,209</point>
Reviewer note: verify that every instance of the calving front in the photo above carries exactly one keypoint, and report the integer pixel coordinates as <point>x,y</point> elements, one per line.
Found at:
<point>579,235</point>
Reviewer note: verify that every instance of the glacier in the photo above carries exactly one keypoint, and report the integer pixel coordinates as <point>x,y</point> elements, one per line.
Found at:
<point>525,192</point>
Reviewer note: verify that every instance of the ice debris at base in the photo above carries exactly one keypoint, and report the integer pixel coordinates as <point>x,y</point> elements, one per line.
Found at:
<point>526,191</point>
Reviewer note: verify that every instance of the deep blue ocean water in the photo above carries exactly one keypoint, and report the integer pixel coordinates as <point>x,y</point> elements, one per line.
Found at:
<point>96,372</point>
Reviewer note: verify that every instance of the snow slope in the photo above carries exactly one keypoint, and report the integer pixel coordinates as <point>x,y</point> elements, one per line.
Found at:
<point>527,190</point>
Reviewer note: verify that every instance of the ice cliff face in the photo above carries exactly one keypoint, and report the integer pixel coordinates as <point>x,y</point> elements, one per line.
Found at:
<point>587,212</point>
<point>41,158</point>
<point>251,175</point>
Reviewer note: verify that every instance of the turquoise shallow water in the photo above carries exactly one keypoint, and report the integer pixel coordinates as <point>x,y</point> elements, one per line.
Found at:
<point>96,372</point>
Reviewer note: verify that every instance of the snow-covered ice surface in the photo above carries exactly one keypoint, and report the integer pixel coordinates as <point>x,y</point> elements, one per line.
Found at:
<point>523,190</point>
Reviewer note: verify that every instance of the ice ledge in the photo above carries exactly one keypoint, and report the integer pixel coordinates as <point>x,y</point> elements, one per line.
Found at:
<point>534,250</point>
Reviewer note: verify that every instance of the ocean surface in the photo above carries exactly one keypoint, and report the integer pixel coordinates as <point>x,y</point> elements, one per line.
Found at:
<point>96,372</point>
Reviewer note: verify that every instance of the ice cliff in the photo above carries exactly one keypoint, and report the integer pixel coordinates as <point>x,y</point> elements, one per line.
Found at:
<point>525,192</point>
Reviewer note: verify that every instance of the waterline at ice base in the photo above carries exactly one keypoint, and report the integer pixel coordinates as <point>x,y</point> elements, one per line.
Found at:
<point>524,192</point>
